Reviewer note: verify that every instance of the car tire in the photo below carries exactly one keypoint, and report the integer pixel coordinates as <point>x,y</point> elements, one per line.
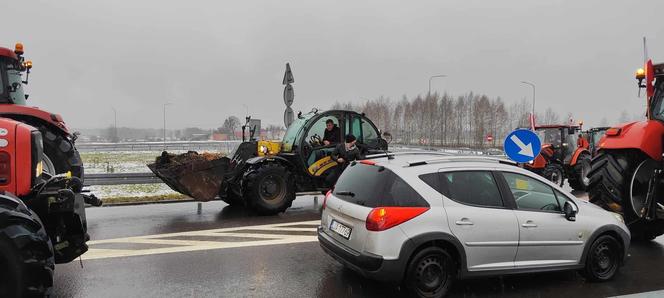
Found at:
<point>430,273</point>
<point>603,259</point>
<point>554,173</point>
<point>269,189</point>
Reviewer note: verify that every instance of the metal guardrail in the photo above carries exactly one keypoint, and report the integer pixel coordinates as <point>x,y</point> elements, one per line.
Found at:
<point>121,178</point>
<point>221,146</point>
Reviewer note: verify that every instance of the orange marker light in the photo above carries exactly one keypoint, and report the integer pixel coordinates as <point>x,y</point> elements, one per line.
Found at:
<point>18,49</point>
<point>640,74</point>
<point>27,64</point>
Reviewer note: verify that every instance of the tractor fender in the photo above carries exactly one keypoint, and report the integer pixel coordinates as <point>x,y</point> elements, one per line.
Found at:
<point>34,116</point>
<point>576,155</point>
<point>645,136</point>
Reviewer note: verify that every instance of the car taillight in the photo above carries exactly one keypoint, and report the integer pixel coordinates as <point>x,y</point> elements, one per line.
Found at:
<point>327,195</point>
<point>383,218</point>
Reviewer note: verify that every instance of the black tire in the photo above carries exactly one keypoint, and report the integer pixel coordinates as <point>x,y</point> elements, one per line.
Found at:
<point>431,273</point>
<point>269,189</point>
<point>579,179</point>
<point>610,184</point>
<point>555,173</point>
<point>26,255</point>
<point>62,153</point>
<point>603,259</point>
<point>231,198</point>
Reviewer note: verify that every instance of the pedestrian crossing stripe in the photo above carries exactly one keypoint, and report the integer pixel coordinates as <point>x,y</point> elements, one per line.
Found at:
<point>236,237</point>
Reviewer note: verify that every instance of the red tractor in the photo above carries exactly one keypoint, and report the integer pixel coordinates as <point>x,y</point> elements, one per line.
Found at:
<point>626,175</point>
<point>564,155</point>
<point>60,155</point>
<point>42,216</point>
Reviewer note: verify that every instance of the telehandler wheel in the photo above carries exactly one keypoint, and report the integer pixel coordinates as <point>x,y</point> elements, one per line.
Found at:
<point>555,173</point>
<point>61,153</point>
<point>269,189</point>
<point>618,182</point>
<point>579,179</point>
<point>26,258</point>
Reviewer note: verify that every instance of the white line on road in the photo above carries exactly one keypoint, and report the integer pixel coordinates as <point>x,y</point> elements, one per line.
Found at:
<point>259,235</point>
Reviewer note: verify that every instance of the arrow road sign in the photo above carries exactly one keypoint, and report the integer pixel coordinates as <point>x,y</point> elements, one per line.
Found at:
<point>522,145</point>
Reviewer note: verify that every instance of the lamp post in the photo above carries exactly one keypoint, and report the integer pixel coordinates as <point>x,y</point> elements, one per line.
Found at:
<point>431,78</point>
<point>115,125</point>
<point>533,86</point>
<point>165,104</point>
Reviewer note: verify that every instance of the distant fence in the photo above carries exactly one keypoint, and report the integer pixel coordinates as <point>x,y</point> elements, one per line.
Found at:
<point>221,146</point>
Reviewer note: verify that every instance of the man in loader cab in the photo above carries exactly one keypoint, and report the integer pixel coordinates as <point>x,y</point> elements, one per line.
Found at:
<point>332,133</point>
<point>343,154</point>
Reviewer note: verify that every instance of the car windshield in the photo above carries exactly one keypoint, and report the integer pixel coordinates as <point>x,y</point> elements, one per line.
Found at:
<point>15,82</point>
<point>548,135</point>
<point>293,131</point>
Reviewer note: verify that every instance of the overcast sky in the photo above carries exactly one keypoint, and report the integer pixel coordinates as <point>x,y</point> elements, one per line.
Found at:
<point>209,58</point>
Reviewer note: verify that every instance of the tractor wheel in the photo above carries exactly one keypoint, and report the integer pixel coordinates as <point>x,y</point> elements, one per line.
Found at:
<point>579,179</point>
<point>619,182</point>
<point>60,154</point>
<point>26,256</point>
<point>555,173</point>
<point>269,189</point>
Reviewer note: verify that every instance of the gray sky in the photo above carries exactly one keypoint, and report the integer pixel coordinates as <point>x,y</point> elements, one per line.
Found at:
<point>211,57</point>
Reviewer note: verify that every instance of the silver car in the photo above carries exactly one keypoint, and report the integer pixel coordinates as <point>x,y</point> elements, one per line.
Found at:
<point>425,220</point>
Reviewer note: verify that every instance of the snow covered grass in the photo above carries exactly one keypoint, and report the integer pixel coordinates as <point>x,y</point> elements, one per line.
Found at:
<point>126,162</point>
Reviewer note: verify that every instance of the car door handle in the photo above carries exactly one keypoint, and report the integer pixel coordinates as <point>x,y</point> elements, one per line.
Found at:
<point>529,224</point>
<point>464,222</point>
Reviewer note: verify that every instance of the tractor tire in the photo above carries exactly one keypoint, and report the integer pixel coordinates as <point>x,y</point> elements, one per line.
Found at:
<point>26,254</point>
<point>269,189</point>
<point>579,179</point>
<point>61,153</point>
<point>555,173</point>
<point>610,188</point>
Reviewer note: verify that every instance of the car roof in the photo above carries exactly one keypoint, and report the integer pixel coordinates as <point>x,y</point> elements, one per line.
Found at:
<point>423,161</point>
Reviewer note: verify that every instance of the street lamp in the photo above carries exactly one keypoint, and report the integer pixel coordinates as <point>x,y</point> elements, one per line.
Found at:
<point>115,125</point>
<point>531,85</point>
<point>165,104</point>
<point>431,78</point>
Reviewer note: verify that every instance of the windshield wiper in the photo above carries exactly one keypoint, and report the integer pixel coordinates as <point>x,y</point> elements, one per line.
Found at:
<point>345,193</point>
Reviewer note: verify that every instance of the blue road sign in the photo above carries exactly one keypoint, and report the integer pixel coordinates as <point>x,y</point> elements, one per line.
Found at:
<point>522,145</point>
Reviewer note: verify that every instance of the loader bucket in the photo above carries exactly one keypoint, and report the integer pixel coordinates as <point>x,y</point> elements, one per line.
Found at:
<point>199,176</point>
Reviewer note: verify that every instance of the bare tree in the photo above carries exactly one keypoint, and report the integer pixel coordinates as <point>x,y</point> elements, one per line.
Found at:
<point>230,125</point>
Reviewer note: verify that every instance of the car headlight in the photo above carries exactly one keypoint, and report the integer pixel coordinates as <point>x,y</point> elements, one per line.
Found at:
<point>618,217</point>
<point>531,162</point>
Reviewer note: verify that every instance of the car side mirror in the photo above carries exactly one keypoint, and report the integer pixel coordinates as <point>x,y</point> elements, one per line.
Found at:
<point>570,211</point>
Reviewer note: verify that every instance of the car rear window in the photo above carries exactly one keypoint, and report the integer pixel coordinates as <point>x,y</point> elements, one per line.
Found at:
<point>376,186</point>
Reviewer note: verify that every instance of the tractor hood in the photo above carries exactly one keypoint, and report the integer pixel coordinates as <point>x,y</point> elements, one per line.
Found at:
<point>645,136</point>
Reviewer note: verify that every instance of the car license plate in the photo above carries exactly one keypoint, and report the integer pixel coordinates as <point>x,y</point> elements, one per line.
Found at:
<point>340,229</point>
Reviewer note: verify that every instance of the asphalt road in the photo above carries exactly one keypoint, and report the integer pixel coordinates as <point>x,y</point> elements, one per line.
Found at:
<point>170,250</point>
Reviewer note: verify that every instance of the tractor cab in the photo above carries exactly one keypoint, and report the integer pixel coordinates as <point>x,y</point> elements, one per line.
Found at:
<point>12,66</point>
<point>593,136</point>
<point>562,139</point>
<point>564,155</point>
<point>306,137</point>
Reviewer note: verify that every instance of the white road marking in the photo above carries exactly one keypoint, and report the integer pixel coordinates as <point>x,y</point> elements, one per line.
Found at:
<point>652,294</point>
<point>273,234</point>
